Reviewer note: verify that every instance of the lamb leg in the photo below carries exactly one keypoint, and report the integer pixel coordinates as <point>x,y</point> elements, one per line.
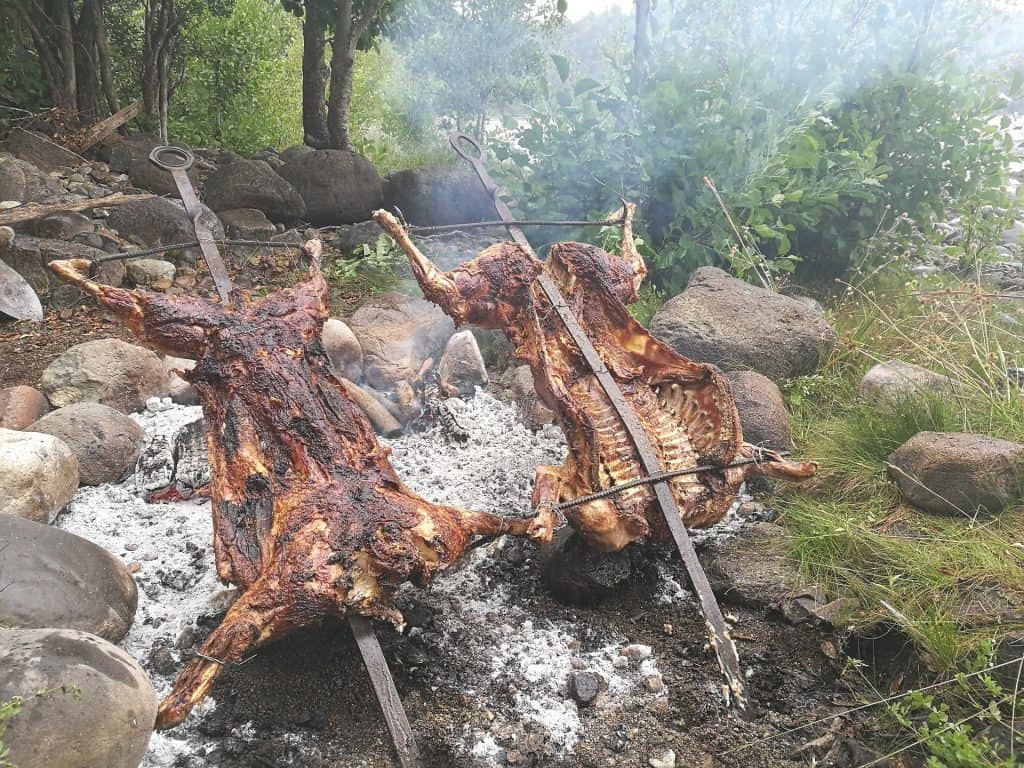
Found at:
<point>254,617</point>
<point>437,286</point>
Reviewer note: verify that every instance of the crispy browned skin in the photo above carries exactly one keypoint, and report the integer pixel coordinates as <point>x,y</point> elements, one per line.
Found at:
<point>686,407</point>
<point>310,519</point>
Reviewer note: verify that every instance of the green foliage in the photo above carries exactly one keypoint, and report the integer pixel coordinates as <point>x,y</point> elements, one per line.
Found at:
<point>12,707</point>
<point>473,57</point>
<point>388,125</point>
<point>817,123</point>
<point>952,725</point>
<point>242,90</point>
<point>8,709</point>
<point>378,266</point>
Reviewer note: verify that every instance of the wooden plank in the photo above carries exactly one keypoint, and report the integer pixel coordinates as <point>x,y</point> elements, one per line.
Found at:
<point>387,694</point>
<point>99,131</point>
<point>37,211</point>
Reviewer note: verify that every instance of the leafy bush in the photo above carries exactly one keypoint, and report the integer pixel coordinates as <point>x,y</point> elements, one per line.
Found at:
<point>243,86</point>
<point>815,122</point>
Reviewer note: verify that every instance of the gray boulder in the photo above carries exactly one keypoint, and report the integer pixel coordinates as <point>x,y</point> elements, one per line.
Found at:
<point>42,151</point>
<point>753,569</point>
<point>38,475</point>
<point>719,319</point>
<point>179,390</point>
<point>107,371</point>
<point>24,182</point>
<point>762,410</point>
<point>129,149</point>
<point>150,273</point>
<point>895,380</point>
<point>53,578</point>
<point>29,256</point>
<point>247,224</point>
<point>105,442</point>
<point>338,187</point>
<point>145,174</point>
<point>159,221</point>
<point>433,196</point>
<point>63,225</point>
<point>349,237</point>
<point>295,152</point>
<point>397,334</point>
<point>253,184</point>
<point>20,406</point>
<point>343,350</point>
<point>461,369</point>
<point>96,707</point>
<point>959,473</point>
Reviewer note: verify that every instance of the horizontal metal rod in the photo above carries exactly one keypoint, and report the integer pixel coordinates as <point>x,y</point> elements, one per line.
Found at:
<point>525,223</point>
<point>656,477</point>
<point>190,244</point>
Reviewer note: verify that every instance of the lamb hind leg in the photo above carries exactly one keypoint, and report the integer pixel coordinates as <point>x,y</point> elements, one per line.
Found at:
<point>248,623</point>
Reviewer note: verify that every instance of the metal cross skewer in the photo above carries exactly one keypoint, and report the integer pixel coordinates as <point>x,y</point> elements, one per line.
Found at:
<point>734,689</point>
<point>178,160</point>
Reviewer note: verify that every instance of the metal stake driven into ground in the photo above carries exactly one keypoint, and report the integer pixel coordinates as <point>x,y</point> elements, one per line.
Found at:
<point>734,690</point>
<point>177,161</point>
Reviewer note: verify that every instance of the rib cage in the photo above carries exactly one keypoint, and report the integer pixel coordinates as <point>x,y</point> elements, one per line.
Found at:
<point>686,407</point>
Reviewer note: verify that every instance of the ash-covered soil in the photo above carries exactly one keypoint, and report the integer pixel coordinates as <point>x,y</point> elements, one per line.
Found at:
<point>484,664</point>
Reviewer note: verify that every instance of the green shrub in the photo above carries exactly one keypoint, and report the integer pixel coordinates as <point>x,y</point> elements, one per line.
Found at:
<point>243,87</point>
<point>817,123</point>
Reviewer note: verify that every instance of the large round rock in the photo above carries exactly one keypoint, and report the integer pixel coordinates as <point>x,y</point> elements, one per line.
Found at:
<point>107,371</point>
<point>252,184</point>
<point>338,187</point>
<point>397,334</point>
<point>87,703</point>
<point>20,406</point>
<point>895,380</point>
<point>434,196</point>
<point>159,221</point>
<point>343,350</point>
<point>719,319</point>
<point>53,578</point>
<point>22,181</point>
<point>105,441</point>
<point>29,257</point>
<point>38,475</point>
<point>462,369</point>
<point>762,410</point>
<point>959,473</point>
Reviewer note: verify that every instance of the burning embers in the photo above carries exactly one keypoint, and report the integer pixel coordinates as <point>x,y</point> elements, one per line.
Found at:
<point>310,519</point>
<point>686,408</point>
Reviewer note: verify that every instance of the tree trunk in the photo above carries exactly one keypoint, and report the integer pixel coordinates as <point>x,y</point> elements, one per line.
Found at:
<point>103,53</point>
<point>87,86</point>
<point>641,41</point>
<point>343,57</point>
<point>61,15</point>
<point>314,81</point>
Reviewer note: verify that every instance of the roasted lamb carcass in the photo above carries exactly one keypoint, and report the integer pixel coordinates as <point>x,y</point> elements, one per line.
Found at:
<point>310,519</point>
<point>687,407</point>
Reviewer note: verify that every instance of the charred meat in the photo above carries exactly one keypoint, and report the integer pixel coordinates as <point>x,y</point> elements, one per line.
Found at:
<point>310,519</point>
<point>687,407</point>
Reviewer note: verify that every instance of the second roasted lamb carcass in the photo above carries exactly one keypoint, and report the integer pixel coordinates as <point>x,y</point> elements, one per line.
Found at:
<point>686,407</point>
<point>310,519</point>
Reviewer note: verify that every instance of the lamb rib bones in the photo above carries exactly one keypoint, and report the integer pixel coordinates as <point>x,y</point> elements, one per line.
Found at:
<point>310,519</point>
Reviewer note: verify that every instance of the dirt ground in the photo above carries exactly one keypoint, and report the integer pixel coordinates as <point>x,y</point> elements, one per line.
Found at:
<point>309,701</point>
